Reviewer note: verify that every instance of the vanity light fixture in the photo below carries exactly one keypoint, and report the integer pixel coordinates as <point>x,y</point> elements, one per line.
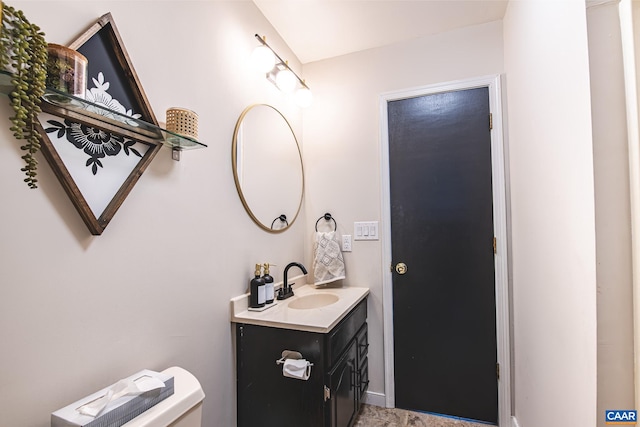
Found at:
<point>263,59</point>
<point>279,73</point>
<point>286,80</point>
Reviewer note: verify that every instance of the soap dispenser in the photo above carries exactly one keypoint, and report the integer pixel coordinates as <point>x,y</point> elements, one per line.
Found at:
<point>268,282</point>
<point>257,290</point>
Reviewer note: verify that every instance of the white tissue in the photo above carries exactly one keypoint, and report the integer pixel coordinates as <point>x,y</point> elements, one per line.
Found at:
<point>297,368</point>
<point>126,387</point>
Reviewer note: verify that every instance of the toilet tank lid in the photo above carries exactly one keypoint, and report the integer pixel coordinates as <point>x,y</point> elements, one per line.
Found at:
<point>187,394</point>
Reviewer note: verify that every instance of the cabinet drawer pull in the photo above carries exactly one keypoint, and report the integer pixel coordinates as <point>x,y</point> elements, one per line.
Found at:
<point>358,381</point>
<point>354,378</point>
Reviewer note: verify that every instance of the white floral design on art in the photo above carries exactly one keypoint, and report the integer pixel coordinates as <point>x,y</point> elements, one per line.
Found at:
<point>99,96</point>
<point>95,142</point>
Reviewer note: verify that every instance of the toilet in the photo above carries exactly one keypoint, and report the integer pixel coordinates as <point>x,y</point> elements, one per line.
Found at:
<point>182,409</point>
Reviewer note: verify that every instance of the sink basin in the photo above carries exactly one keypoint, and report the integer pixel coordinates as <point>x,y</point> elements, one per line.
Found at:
<point>313,301</point>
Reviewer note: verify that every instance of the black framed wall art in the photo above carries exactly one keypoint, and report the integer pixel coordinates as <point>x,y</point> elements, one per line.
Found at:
<point>99,150</point>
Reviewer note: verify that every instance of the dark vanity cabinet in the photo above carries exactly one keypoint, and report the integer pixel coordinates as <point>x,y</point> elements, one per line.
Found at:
<point>332,395</point>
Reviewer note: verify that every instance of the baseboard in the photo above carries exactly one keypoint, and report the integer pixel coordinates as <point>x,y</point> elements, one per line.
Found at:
<point>514,422</point>
<point>375,399</point>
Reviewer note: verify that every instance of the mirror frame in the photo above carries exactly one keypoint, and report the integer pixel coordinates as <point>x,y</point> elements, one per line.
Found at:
<point>234,161</point>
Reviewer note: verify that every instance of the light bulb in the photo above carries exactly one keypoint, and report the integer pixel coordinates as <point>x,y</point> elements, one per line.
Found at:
<point>263,59</point>
<point>304,97</point>
<point>286,80</point>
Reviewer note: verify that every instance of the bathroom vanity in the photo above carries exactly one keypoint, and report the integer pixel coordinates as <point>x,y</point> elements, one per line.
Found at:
<point>332,337</point>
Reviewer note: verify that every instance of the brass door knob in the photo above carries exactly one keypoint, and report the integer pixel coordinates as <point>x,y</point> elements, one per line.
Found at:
<point>401,268</point>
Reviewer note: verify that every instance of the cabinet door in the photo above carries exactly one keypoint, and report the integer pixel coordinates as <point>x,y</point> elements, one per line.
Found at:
<point>342,407</point>
<point>265,397</point>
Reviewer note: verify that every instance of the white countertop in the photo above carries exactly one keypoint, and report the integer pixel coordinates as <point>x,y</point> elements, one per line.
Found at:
<point>321,319</point>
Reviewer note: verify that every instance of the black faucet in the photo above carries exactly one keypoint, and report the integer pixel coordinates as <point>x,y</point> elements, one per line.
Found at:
<point>286,291</point>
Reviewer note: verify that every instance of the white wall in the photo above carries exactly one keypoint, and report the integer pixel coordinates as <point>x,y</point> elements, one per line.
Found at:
<point>341,134</point>
<point>79,312</point>
<point>552,205</point>
<point>613,222</point>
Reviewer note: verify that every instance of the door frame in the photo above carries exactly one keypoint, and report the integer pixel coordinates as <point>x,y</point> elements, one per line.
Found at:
<point>501,261</point>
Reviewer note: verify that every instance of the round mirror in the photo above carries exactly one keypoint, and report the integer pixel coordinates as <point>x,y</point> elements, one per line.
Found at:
<point>267,167</point>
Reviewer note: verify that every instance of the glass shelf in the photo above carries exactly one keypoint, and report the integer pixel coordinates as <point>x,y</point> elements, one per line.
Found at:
<point>97,115</point>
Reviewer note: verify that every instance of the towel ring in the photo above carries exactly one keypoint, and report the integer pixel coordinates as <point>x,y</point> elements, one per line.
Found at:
<point>327,217</point>
<point>282,218</point>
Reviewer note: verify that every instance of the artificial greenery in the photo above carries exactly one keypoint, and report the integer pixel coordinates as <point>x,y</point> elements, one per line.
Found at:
<point>23,52</point>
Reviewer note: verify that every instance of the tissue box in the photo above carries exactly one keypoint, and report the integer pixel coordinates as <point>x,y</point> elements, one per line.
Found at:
<point>117,412</point>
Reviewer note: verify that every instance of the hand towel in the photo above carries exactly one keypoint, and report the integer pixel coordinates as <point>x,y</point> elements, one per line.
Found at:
<point>299,369</point>
<point>328,264</point>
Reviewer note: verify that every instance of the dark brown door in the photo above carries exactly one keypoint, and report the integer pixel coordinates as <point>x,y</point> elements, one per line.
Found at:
<point>442,230</point>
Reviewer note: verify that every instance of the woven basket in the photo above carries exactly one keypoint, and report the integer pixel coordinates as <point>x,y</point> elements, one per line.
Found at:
<point>183,122</point>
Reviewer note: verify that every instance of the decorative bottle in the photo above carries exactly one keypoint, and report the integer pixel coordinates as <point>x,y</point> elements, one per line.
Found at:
<point>268,282</point>
<point>257,290</point>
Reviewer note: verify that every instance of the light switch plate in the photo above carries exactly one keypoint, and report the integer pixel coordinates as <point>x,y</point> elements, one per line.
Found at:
<point>366,230</point>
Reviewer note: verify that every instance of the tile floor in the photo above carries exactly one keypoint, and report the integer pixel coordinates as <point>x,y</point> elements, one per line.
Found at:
<point>375,416</point>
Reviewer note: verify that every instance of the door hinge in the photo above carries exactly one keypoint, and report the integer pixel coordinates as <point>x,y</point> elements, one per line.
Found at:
<point>498,370</point>
<point>490,121</point>
<point>495,246</point>
<point>327,393</point>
